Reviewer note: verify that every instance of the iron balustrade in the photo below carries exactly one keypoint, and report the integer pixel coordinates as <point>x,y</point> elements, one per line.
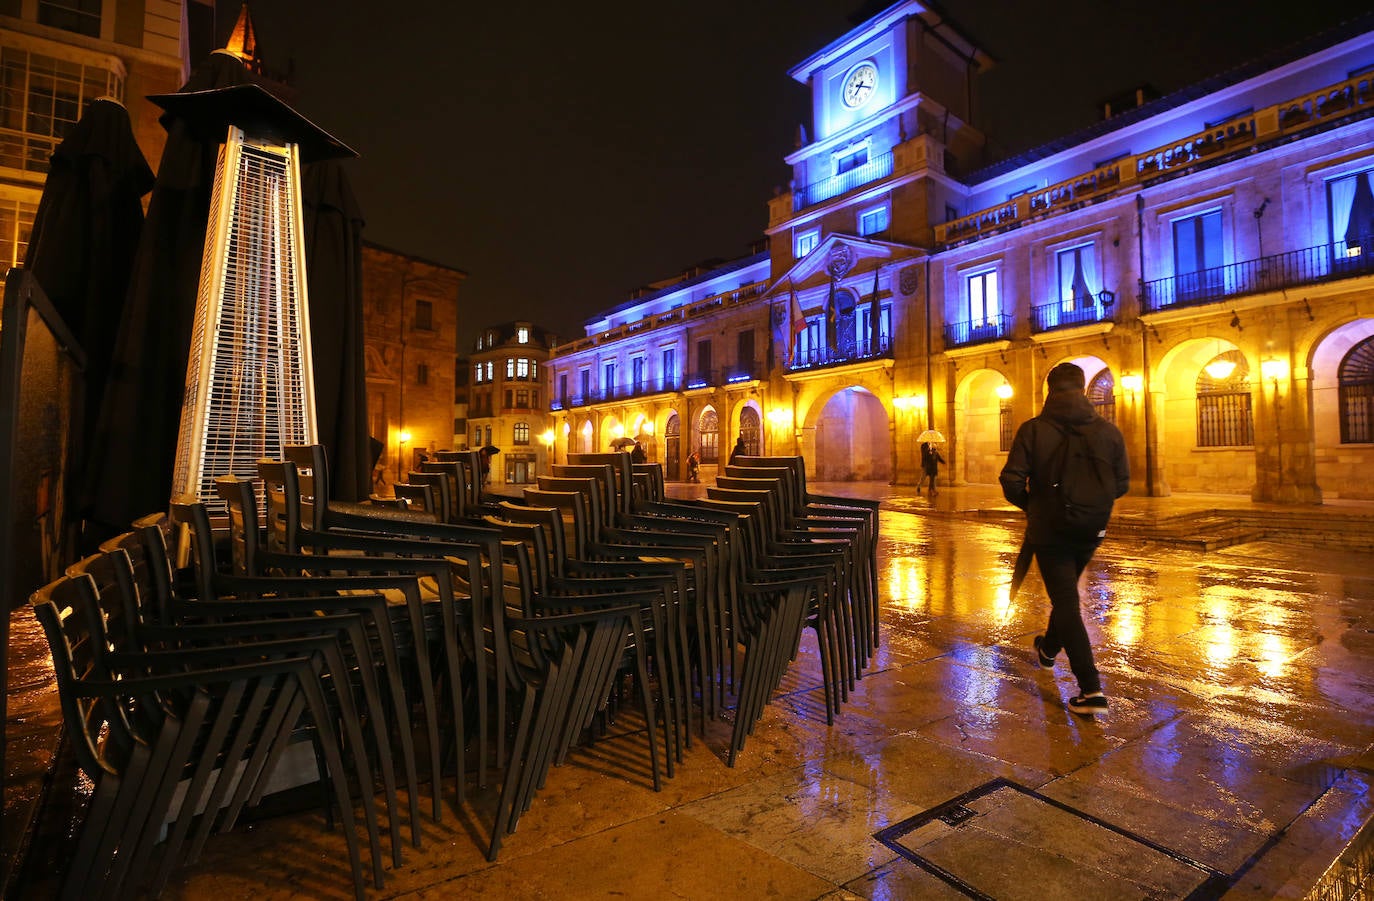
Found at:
<point>703,378</point>
<point>1311,265</point>
<point>976,331</point>
<point>1063,314</point>
<point>818,357</point>
<point>835,185</point>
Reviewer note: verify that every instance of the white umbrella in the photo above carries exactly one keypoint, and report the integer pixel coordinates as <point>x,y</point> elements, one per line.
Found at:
<point>930,435</point>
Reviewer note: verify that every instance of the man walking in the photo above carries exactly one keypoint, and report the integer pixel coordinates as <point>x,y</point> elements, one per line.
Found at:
<point>1065,468</point>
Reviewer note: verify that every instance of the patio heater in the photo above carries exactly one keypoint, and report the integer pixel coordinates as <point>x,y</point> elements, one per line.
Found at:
<point>249,384</point>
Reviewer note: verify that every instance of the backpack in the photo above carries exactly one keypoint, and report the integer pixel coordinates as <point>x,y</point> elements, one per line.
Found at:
<point>1083,482</point>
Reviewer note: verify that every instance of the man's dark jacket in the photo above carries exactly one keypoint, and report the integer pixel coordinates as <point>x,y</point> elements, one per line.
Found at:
<point>1033,452</point>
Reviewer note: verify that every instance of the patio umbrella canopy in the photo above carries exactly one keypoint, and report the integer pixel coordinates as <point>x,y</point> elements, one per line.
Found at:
<point>85,235</point>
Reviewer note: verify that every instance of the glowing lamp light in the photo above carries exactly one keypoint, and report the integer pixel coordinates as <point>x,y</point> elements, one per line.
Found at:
<point>1004,391</point>
<point>1132,382</point>
<point>587,429</point>
<point>647,428</point>
<point>618,430</point>
<point>547,437</point>
<point>405,437</point>
<point>1220,369</point>
<point>910,402</point>
<point>1274,370</point>
<point>780,417</point>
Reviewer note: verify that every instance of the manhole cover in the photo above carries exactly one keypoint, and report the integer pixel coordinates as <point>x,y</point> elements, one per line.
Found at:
<point>1006,842</point>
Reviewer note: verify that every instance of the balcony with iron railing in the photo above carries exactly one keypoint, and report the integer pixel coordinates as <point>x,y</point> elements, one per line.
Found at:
<point>1069,313</point>
<point>822,356</point>
<point>1239,134</point>
<point>1309,266</point>
<point>977,331</point>
<point>642,388</point>
<point>722,300</point>
<point>835,185</point>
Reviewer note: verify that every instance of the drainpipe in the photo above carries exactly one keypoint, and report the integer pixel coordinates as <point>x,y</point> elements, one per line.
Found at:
<point>1148,421</point>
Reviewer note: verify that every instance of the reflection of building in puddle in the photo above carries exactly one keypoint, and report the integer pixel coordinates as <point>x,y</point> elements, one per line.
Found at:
<point>907,583</point>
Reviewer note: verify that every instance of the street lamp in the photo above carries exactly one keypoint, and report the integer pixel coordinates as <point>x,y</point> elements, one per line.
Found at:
<point>1004,391</point>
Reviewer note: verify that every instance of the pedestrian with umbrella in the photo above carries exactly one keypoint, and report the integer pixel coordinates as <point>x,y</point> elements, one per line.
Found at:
<point>930,458</point>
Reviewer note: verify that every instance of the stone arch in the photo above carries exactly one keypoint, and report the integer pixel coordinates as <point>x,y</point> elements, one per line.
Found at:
<point>748,417</point>
<point>978,424</point>
<point>1184,464</point>
<point>585,438</point>
<point>849,436</point>
<point>1342,468</point>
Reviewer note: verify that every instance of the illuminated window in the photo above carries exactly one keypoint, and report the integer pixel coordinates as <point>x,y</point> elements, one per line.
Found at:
<point>708,436</point>
<point>1077,275</point>
<point>477,373</point>
<point>867,342</point>
<point>522,399</point>
<point>637,374</point>
<point>1224,416</point>
<point>1197,256</point>
<point>510,367</point>
<point>491,371</point>
<point>41,98</point>
<point>1351,206</point>
<point>983,303</point>
<point>874,221</point>
<point>522,335</point>
<point>1006,426</point>
<point>1356,394</point>
<point>669,366</point>
<point>16,225</point>
<point>522,368</point>
<point>522,433</point>
<point>850,159</point>
<point>807,241</point>
<point>1102,393</point>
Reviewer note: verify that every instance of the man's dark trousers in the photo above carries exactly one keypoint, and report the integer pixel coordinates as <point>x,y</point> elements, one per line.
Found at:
<point>1060,566</point>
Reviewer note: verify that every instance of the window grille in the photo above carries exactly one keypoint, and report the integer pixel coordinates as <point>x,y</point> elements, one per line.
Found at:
<point>1101,393</point>
<point>1224,414</point>
<point>1006,427</point>
<point>1356,394</point>
<point>710,437</point>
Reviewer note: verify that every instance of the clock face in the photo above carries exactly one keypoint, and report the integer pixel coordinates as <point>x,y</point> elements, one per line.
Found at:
<point>859,85</point>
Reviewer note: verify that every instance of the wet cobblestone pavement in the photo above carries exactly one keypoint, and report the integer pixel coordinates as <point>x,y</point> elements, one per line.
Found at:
<point>1236,760</point>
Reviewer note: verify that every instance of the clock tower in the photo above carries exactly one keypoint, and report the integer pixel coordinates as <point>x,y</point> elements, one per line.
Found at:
<point>893,104</point>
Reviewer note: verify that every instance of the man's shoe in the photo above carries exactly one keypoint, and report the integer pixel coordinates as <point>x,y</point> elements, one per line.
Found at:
<point>1045,661</point>
<point>1094,704</point>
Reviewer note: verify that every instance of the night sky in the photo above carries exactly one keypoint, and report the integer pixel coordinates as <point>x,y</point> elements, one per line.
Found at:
<point>563,154</point>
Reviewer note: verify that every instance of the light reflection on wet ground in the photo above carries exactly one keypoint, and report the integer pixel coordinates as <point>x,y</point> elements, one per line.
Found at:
<point>1240,735</point>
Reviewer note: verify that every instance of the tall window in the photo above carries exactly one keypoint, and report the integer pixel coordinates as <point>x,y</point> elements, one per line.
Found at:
<point>422,374</point>
<point>1224,416</point>
<point>637,374</point>
<point>16,225</point>
<point>1006,425</point>
<point>522,399</point>
<point>477,373</point>
<point>522,368</point>
<point>874,221</point>
<point>1197,256</point>
<point>424,315</point>
<point>1101,392</point>
<point>521,433</point>
<point>522,335</point>
<point>41,98</point>
<point>983,305</point>
<point>669,367</point>
<point>563,387</point>
<point>871,341</point>
<point>749,430</point>
<point>608,377</point>
<point>744,353</point>
<point>807,241</point>
<point>510,367</point>
<point>1077,278</point>
<point>1356,394</point>
<point>708,435</point>
<point>585,377</point>
<point>491,370</point>
<point>77,16</point>
<point>1351,205</point>
<point>704,358</point>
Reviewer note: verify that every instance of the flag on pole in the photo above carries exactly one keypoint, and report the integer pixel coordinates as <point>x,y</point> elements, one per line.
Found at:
<point>875,330</point>
<point>832,337</point>
<point>796,326</point>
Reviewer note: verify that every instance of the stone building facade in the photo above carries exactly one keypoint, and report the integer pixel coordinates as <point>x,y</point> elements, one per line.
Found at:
<point>410,320</point>
<point>508,400</point>
<point>1206,257</point>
